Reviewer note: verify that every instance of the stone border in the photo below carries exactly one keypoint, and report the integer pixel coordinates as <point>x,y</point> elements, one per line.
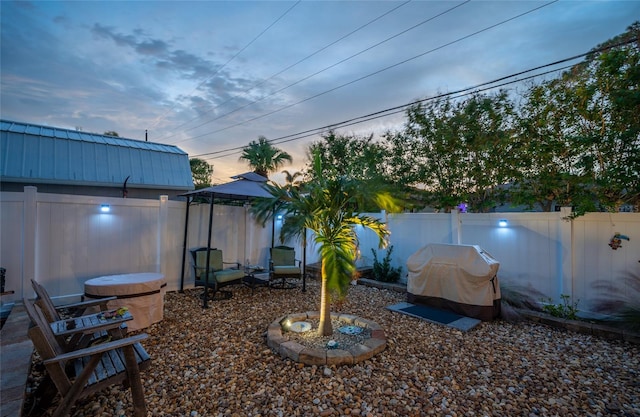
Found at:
<point>301,354</point>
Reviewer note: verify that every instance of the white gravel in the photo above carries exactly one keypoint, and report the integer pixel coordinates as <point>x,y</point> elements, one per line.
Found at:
<point>215,362</point>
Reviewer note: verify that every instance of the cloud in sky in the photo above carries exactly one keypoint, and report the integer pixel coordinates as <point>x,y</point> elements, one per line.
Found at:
<point>213,75</point>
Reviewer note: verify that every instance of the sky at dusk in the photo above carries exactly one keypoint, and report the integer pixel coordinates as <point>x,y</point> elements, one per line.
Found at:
<point>211,76</point>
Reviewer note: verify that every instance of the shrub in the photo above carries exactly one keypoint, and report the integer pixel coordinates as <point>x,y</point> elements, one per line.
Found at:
<point>565,310</point>
<point>383,271</point>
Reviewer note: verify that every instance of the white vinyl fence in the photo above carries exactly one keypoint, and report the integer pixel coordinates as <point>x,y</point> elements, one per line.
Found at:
<point>63,240</point>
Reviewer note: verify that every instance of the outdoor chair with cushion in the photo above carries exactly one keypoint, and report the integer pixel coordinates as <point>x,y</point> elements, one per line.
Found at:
<point>283,267</point>
<point>219,275</point>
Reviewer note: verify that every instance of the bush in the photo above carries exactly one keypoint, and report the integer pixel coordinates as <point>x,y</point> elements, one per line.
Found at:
<point>383,271</point>
<point>565,310</point>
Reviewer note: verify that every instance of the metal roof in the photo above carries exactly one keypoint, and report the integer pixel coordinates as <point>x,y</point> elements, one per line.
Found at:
<point>245,187</point>
<point>44,154</point>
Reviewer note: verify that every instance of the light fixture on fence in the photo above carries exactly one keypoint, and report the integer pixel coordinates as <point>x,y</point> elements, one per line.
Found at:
<point>105,208</point>
<point>503,223</point>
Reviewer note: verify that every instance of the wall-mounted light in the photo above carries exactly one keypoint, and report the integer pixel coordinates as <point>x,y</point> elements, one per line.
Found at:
<point>279,217</point>
<point>105,208</point>
<point>503,223</point>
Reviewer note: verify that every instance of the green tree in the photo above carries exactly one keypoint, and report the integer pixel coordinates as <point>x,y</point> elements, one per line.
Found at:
<point>328,208</point>
<point>579,140</point>
<point>358,158</point>
<point>547,149</point>
<point>109,133</point>
<point>459,151</point>
<point>607,88</point>
<point>263,157</point>
<point>351,156</point>
<point>292,179</point>
<point>201,172</point>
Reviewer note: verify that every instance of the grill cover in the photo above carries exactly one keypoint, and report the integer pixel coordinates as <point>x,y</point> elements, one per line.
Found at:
<point>458,278</point>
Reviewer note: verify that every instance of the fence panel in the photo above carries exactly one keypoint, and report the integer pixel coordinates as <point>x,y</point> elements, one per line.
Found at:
<point>63,240</point>
<point>602,274</point>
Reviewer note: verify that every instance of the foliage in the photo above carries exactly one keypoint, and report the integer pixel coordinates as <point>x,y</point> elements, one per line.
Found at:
<point>382,270</point>
<point>566,309</point>
<point>201,172</point>
<point>457,149</point>
<point>570,141</point>
<point>328,208</point>
<point>111,133</point>
<point>359,158</point>
<point>263,157</point>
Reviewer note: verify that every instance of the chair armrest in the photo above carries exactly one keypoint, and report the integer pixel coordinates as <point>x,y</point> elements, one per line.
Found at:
<point>90,328</point>
<point>86,304</point>
<point>96,349</point>
<point>237,264</point>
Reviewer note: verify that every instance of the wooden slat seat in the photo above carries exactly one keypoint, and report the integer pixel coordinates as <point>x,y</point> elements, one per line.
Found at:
<point>80,331</point>
<point>84,371</point>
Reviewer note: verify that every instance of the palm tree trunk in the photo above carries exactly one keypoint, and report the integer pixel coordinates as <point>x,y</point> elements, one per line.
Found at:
<point>325,328</point>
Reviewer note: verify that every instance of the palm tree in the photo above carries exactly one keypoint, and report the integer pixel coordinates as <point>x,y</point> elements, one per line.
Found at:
<point>292,179</point>
<point>263,157</point>
<point>328,208</point>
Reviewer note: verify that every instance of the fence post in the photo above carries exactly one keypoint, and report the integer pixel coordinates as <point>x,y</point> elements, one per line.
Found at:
<point>456,229</point>
<point>565,264</point>
<point>162,236</point>
<point>30,228</point>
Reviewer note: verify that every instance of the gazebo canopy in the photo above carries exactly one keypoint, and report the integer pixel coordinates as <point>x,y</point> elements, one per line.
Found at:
<point>244,188</point>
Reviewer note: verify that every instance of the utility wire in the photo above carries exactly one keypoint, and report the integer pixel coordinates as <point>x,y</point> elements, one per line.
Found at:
<point>286,69</point>
<point>317,73</point>
<point>389,112</point>
<point>375,72</point>
<point>228,61</point>
<point>488,85</point>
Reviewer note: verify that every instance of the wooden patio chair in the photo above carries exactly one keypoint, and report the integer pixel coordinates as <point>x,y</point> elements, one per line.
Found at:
<point>80,330</point>
<point>219,275</point>
<point>54,313</point>
<point>82,372</point>
<point>283,265</point>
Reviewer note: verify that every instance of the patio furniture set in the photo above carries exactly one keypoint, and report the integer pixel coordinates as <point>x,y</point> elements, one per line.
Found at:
<point>213,273</point>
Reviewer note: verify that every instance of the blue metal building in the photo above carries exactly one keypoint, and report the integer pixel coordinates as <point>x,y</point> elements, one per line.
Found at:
<point>64,161</point>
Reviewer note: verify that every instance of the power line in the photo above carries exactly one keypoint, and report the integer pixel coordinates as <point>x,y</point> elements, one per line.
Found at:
<point>287,68</point>
<point>228,61</point>
<point>391,111</point>
<point>375,72</point>
<point>488,85</point>
<point>317,73</point>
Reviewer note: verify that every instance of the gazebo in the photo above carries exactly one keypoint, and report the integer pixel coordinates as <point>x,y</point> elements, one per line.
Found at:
<point>244,188</point>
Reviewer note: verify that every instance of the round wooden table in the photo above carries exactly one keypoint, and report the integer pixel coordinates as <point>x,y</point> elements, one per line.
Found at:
<point>142,293</point>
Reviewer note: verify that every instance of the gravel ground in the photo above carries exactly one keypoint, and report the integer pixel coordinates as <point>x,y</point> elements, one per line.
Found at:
<point>215,362</point>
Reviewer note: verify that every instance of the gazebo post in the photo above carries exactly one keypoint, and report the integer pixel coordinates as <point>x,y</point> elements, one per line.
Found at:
<point>206,277</point>
<point>184,246</point>
<point>304,261</point>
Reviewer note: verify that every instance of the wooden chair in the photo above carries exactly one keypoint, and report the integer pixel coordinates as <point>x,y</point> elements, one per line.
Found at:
<point>82,372</point>
<point>219,275</point>
<point>282,265</point>
<point>53,313</point>
<point>80,330</point>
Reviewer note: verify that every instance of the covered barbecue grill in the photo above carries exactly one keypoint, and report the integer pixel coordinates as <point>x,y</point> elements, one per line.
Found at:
<point>459,278</point>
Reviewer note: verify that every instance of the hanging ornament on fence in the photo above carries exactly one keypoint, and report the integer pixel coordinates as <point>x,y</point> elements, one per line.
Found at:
<point>616,240</point>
